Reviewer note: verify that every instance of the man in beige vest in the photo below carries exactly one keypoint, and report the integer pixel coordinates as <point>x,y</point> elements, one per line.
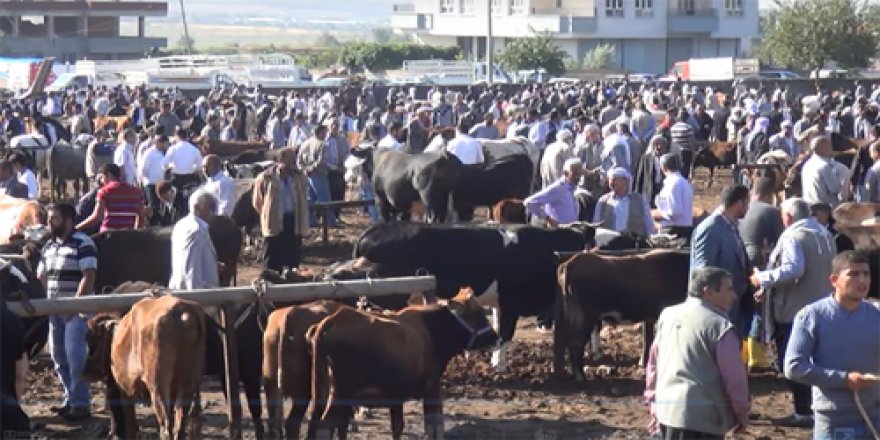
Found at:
<point>621,209</point>
<point>281,201</point>
<point>696,383</point>
<point>797,273</point>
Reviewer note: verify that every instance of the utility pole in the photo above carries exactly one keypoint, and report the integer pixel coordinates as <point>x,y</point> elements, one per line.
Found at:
<point>187,46</point>
<point>490,65</point>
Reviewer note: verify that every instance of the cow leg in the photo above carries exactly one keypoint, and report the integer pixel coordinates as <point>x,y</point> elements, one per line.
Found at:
<point>274,404</point>
<point>576,344</point>
<point>252,393</point>
<point>596,341</point>
<point>163,409</point>
<point>113,397</point>
<point>506,328</point>
<point>647,340</point>
<point>560,337</point>
<point>396,412</point>
<point>432,407</point>
<point>195,416</point>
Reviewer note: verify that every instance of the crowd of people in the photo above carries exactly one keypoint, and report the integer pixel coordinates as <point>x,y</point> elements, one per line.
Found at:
<point>616,154</point>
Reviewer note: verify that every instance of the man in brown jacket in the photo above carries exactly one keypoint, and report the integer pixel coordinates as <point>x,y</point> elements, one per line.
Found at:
<point>280,198</point>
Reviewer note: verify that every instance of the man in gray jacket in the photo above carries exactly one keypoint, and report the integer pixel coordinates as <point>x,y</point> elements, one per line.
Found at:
<point>312,160</point>
<point>824,180</point>
<point>797,273</point>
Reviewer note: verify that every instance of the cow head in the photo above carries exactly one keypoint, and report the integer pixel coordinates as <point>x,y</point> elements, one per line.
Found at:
<point>364,156</point>
<point>588,230</point>
<point>470,316</point>
<point>17,283</point>
<point>99,338</point>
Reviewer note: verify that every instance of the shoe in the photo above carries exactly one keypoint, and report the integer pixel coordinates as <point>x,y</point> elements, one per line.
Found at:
<point>796,421</point>
<point>60,410</point>
<point>77,414</point>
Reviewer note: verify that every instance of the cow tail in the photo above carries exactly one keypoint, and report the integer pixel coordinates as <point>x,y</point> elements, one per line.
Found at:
<point>282,336</point>
<point>320,373</point>
<point>572,311</point>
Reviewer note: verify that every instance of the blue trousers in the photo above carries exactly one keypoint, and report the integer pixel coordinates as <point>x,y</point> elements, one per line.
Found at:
<point>373,210</point>
<point>68,347</point>
<point>851,431</point>
<point>319,191</point>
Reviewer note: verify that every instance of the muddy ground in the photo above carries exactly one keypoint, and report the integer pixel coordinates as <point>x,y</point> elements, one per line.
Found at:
<point>525,403</point>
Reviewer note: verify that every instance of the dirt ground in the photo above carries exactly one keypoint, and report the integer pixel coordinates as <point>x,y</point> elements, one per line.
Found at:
<point>525,403</point>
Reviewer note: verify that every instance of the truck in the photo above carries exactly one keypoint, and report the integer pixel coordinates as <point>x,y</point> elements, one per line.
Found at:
<point>451,73</point>
<point>87,73</point>
<point>18,74</point>
<point>715,69</point>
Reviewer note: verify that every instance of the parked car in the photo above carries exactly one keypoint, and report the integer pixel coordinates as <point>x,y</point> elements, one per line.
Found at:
<point>779,74</point>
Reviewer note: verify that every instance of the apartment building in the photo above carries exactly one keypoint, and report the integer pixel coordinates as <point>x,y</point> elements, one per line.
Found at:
<point>74,29</point>
<point>648,35</point>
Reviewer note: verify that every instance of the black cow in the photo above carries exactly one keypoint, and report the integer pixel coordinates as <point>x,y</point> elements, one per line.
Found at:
<point>505,174</point>
<point>714,155</point>
<point>402,181</point>
<point>145,254</point>
<point>632,287</point>
<point>19,282</point>
<point>512,267</point>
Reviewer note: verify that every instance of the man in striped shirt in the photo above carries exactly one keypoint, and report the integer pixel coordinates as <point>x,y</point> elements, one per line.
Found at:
<point>67,269</point>
<point>119,205</point>
<point>683,140</point>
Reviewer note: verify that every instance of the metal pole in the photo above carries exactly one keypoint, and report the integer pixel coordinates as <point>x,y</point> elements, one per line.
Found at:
<point>490,64</point>
<point>186,46</point>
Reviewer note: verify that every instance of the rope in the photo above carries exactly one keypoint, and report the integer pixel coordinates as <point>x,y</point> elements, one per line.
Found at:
<point>864,413</point>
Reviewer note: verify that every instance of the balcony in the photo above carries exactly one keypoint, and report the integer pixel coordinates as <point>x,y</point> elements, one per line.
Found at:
<point>412,21</point>
<point>397,8</point>
<point>577,25</point>
<point>692,21</point>
<point>91,8</point>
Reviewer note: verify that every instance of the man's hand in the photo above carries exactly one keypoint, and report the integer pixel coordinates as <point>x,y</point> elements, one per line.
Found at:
<point>550,223</point>
<point>857,381</point>
<point>759,296</point>
<point>753,278</point>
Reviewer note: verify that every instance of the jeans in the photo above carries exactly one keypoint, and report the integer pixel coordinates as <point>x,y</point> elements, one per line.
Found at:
<point>373,210</point>
<point>319,191</point>
<point>68,346</point>
<point>822,430</point>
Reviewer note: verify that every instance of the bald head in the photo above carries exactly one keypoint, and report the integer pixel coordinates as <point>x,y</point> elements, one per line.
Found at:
<point>211,164</point>
<point>821,145</point>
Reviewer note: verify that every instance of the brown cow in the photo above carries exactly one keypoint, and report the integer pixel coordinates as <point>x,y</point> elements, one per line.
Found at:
<point>287,363</point>
<point>156,351</point>
<point>362,359</point>
<point>509,211</point>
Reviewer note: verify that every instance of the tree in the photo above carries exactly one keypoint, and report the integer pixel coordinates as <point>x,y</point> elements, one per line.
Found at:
<point>183,43</point>
<point>532,53</point>
<point>809,33</point>
<point>600,57</point>
<point>326,40</point>
<point>382,35</point>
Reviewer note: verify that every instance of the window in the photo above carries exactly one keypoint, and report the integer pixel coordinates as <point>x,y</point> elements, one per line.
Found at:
<point>447,6</point>
<point>517,7</point>
<point>686,7</point>
<point>734,8</point>
<point>497,7</point>
<point>614,8</point>
<point>644,8</point>
<point>467,7</point>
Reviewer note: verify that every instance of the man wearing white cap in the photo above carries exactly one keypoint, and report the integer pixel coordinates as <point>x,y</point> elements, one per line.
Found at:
<point>621,209</point>
<point>785,141</point>
<point>757,142</point>
<point>555,204</point>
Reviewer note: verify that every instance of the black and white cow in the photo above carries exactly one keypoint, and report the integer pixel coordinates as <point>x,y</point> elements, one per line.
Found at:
<point>511,268</point>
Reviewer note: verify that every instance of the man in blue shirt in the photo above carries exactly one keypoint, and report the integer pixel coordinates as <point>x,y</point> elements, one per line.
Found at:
<point>835,346</point>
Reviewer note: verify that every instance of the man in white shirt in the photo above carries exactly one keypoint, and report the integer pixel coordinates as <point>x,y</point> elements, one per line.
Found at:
<point>123,156</point>
<point>151,171</point>
<point>184,160</point>
<point>675,201</point>
<point>193,257</point>
<point>391,140</point>
<point>555,156</point>
<point>467,149</point>
<point>824,180</point>
<point>299,131</point>
<point>25,175</point>
<point>219,184</point>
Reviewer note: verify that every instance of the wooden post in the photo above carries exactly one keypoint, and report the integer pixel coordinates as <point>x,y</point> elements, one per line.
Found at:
<point>324,207</point>
<point>325,228</point>
<point>230,363</point>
